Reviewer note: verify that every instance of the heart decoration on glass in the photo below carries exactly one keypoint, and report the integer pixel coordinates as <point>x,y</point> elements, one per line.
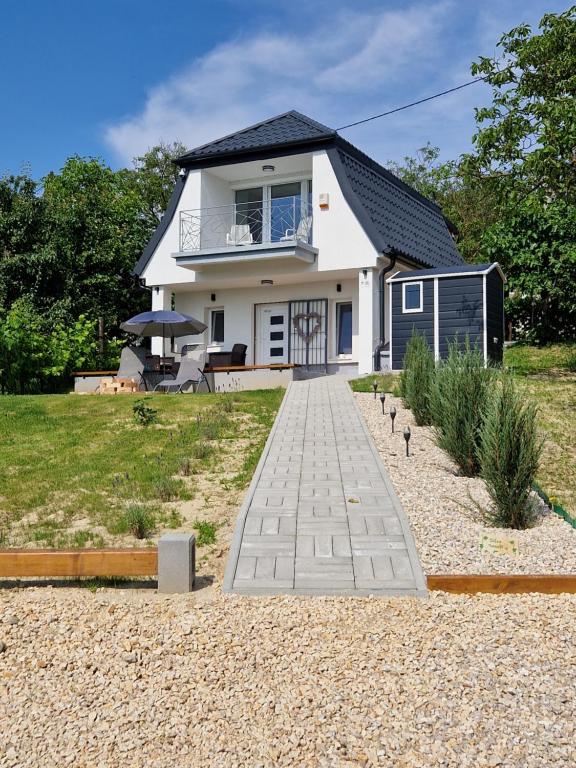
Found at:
<point>303,317</point>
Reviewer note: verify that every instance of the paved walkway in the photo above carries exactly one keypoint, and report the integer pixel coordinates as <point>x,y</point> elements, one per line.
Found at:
<point>321,516</point>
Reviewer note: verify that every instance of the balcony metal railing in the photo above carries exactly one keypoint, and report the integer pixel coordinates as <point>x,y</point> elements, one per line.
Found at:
<point>281,220</point>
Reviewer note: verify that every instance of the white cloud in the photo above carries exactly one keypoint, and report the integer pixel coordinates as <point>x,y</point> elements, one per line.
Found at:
<point>352,56</point>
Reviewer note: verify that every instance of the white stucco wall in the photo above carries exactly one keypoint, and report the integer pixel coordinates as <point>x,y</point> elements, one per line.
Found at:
<point>239,314</point>
<point>338,235</point>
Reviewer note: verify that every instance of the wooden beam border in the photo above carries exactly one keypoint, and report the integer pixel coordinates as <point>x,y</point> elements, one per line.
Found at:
<point>503,584</point>
<point>76,563</point>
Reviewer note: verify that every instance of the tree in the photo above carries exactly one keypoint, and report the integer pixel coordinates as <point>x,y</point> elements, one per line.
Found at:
<point>527,136</point>
<point>470,204</point>
<point>155,175</point>
<point>525,152</point>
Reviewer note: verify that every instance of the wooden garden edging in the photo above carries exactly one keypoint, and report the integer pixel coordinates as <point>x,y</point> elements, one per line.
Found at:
<point>500,584</point>
<point>77,563</point>
<point>19,563</point>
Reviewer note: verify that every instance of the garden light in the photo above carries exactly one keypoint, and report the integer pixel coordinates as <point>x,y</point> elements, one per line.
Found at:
<point>392,416</point>
<point>382,400</point>
<point>407,438</point>
<point>375,388</point>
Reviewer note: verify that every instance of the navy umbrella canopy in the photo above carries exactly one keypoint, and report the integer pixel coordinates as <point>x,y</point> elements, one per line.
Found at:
<point>163,322</point>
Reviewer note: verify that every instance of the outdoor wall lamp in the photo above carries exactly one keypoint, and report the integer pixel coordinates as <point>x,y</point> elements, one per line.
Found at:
<point>382,400</point>
<point>407,438</point>
<point>268,169</point>
<point>212,297</point>
<point>266,282</point>
<point>392,416</point>
<point>375,388</point>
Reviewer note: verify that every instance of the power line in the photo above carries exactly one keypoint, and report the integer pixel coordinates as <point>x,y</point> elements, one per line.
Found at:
<point>413,104</point>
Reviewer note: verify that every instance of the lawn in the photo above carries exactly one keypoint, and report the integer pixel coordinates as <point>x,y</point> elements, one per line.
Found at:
<point>548,374</point>
<point>81,471</point>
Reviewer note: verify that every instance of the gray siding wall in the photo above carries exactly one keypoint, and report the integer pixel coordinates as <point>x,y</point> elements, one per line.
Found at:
<point>402,324</point>
<point>460,302</point>
<point>495,315</point>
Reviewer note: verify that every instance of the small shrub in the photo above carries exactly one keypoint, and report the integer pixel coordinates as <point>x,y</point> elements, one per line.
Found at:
<point>206,532</point>
<point>202,450</point>
<point>227,404</point>
<point>143,413</point>
<point>417,378</point>
<point>139,521</point>
<point>185,467</point>
<point>509,453</point>
<point>460,392</point>
<point>167,489</point>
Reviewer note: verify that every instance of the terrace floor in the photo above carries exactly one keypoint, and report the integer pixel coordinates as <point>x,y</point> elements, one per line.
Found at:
<point>321,516</point>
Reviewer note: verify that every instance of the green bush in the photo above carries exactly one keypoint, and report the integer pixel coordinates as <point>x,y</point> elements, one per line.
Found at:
<point>205,532</point>
<point>459,395</point>
<point>143,413</point>
<point>139,521</point>
<point>509,453</point>
<point>417,378</point>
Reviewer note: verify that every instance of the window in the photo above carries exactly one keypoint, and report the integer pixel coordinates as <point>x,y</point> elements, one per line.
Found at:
<point>276,335</point>
<point>412,297</point>
<point>344,328</point>
<point>249,212</point>
<point>216,326</point>
<point>276,351</point>
<point>277,320</point>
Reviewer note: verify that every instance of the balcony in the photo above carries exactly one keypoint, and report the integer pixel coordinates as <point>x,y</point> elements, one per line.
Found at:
<point>247,231</point>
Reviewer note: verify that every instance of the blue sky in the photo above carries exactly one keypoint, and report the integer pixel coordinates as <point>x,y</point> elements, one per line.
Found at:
<point>113,77</point>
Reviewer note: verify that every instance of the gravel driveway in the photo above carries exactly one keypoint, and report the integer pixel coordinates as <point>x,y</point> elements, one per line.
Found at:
<point>122,678</point>
<point>441,505</point>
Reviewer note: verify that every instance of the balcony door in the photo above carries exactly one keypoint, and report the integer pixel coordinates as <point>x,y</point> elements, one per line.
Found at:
<point>273,213</point>
<point>249,213</point>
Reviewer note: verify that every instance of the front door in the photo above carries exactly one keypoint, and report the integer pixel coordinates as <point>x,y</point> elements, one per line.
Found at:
<point>272,333</point>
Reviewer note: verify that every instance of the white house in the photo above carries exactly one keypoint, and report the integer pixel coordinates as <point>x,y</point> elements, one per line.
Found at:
<point>281,237</point>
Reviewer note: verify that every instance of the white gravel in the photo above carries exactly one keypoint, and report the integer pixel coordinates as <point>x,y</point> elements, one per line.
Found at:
<point>441,509</point>
<point>122,678</point>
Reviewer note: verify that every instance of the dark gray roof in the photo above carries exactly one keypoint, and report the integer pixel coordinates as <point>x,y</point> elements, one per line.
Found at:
<point>461,269</point>
<point>396,217</point>
<point>289,128</point>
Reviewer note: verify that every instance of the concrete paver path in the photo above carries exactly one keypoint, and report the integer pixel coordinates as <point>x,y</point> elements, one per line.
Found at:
<point>321,516</point>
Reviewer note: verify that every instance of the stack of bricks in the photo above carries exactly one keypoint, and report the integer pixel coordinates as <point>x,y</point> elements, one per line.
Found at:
<point>115,386</point>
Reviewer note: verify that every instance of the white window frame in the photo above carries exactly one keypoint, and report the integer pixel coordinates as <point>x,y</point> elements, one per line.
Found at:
<point>337,355</point>
<point>305,196</point>
<point>420,307</point>
<point>211,312</point>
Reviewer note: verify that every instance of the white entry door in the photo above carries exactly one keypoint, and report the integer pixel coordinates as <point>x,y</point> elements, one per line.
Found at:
<point>272,333</point>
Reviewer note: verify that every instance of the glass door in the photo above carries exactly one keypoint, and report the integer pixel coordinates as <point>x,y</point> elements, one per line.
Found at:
<point>248,222</point>
<point>285,211</point>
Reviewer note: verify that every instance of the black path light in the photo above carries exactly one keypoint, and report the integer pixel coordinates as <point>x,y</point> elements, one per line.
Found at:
<point>375,388</point>
<point>407,438</point>
<point>382,400</point>
<point>392,416</point>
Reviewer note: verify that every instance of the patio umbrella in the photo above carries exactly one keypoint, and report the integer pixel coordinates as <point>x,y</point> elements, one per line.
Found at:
<point>163,322</point>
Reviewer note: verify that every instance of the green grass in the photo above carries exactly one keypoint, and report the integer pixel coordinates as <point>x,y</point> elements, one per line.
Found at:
<point>387,382</point>
<point>554,359</point>
<point>205,532</point>
<point>66,458</point>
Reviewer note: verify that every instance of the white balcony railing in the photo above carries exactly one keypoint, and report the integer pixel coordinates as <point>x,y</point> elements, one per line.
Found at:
<point>240,225</point>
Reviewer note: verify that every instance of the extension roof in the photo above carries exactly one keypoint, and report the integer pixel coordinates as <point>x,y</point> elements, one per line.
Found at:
<point>398,220</point>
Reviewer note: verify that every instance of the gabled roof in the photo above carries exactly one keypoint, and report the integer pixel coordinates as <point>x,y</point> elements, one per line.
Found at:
<point>284,130</point>
<point>397,219</point>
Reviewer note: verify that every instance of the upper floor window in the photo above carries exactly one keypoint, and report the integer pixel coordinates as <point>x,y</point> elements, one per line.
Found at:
<point>412,299</point>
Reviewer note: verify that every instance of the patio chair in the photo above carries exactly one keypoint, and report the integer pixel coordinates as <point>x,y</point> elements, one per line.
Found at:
<point>189,377</point>
<point>239,235</point>
<point>132,364</point>
<point>302,233</point>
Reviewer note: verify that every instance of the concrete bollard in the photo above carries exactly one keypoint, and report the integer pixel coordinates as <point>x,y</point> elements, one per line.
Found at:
<point>176,562</point>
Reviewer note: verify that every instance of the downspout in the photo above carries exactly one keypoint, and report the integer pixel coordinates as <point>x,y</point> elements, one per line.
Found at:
<point>377,364</point>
